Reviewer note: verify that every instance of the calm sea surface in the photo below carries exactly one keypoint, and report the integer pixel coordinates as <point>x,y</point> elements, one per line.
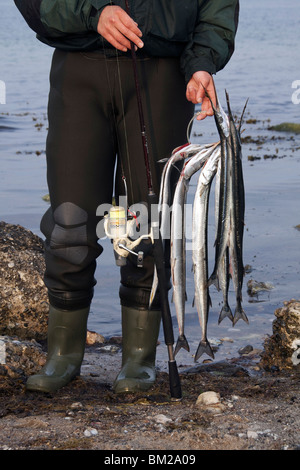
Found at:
<point>263,69</point>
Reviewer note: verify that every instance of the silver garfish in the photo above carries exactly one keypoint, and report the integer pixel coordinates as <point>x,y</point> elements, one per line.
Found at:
<point>200,261</point>
<point>231,214</point>
<point>178,240</point>
<point>178,259</point>
<point>237,204</point>
<point>164,203</point>
<point>197,161</point>
<point>179,153</point>
<point>223,270</point>
<point>223,221</point>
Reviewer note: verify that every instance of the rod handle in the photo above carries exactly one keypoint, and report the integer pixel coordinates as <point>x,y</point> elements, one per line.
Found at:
<point>174,380</point>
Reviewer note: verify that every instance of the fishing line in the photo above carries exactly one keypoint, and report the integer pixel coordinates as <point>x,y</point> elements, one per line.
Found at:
<point>119,154</point>
<point>189,127</point>
<point>188,130</point>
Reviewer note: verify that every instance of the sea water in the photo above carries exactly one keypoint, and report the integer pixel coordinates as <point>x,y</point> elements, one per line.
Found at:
<point>265,69</point>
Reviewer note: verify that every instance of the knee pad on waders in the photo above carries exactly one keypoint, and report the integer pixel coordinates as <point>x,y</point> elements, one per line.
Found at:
<point>70,254</point>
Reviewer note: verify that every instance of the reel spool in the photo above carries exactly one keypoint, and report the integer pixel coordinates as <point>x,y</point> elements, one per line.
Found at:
<point>121,231</point>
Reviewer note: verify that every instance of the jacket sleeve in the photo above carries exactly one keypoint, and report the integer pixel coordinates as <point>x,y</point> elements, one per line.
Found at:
<point>212,44</point>
<point>56,18</point>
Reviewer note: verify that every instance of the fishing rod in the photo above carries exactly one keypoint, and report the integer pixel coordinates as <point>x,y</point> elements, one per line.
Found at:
<point>158,252</point>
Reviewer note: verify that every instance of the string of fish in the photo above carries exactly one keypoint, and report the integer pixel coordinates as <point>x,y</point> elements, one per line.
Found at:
<point>223,161</point>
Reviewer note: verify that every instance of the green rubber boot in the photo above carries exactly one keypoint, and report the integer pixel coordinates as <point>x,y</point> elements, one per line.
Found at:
<point>66,345</point>
<point>140,329</point>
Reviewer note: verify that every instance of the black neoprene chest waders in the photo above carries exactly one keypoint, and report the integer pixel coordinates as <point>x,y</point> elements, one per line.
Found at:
<point>93,130</point>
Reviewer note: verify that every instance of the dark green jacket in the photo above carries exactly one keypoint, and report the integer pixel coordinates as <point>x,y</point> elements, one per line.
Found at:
<point>200,32</point>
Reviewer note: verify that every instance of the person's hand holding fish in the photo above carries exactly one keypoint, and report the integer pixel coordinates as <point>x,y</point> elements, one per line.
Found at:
<point>195,92</point>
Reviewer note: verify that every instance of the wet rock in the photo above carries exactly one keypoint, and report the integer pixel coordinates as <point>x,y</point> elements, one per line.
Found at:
<point>89,432</point>
<point>109,349</point>
<point>208,398</point>
<point>255,287</point>
<point>226,340</point>
<point>115,340</point>
<point>93,338</point>
<point>210,401</point>
<point>20,359</point>
<point>162,419</point>
<point>247,268</point>
<point>23,296</point>
<point>282,349</point>
<point>76,406</point>
<point>246,349</point>
<point>220,368</point>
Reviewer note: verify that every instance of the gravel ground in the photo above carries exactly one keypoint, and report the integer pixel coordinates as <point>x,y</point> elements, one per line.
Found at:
<point>254,410</point>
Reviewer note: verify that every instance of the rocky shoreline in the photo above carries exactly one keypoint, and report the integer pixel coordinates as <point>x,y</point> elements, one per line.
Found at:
<point>253,400</point>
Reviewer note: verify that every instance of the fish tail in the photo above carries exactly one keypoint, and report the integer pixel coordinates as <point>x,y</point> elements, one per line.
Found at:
<point>204,347</point>
<point>152,296</point>
<point>214,280</point>
<point>181,343</point>
<point>225,312</point>
<point>239,314</point>
<point>153,289</point>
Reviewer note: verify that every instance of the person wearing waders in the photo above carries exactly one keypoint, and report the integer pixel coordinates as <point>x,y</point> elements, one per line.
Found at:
<point>93,129</point>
